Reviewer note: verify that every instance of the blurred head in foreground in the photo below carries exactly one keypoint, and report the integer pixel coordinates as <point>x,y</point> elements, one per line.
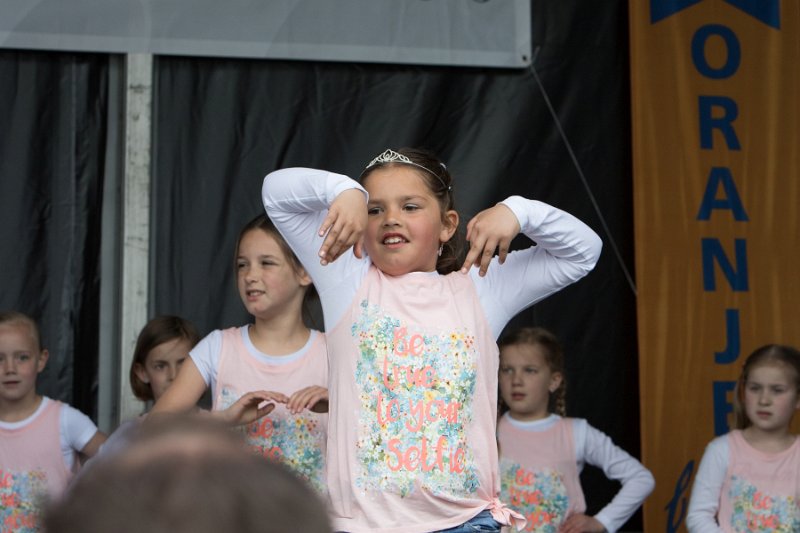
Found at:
<point>184,474</point>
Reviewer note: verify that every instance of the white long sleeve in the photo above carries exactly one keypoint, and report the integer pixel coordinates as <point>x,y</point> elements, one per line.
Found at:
<point>707,487</point>
<point>599,450</point>
<point>566,250</point>
<point>297,200</point>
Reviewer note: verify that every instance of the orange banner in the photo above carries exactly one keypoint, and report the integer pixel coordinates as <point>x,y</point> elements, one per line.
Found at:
<point>716,136</point>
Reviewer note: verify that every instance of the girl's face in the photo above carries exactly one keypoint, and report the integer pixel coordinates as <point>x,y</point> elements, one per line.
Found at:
<point>405,226</point>
<point>267,281</point>
<point>162,364</point>
<point>21,360</point>
<point>770,397</point>
<point>526,381</point>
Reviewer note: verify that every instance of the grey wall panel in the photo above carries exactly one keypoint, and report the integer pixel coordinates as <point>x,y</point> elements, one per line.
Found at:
<point>492,33</point>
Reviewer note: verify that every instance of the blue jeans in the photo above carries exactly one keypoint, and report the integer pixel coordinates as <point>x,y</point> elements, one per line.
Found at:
<point>481,523</point>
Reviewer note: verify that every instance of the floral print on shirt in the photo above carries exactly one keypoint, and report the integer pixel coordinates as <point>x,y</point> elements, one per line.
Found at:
<point>415,388</point>
<point>298,441</point>
<point>755,511</point>
<point>539,495</point>
<point>21,496</point>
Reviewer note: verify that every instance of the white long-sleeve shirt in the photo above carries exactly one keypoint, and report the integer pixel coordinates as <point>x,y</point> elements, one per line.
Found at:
<point>297,200</point>
<point>704,501</point>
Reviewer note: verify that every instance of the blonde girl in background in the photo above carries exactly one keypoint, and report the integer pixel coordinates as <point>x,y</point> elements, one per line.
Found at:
<point>271,374</point>
<point>43,440</point>
<point>411,332</point>
<point>749,479</point>
<point>542,452</point>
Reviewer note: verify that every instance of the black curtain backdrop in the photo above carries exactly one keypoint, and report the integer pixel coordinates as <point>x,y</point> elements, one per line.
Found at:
<point>221,125</point>
<point>53,111</point>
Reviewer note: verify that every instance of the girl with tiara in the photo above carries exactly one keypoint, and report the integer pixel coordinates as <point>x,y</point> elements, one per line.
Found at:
<point>411,332</point>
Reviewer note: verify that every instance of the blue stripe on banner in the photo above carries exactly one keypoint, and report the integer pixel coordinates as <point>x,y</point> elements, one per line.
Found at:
<point>767,11</point>
<point>661,9</point>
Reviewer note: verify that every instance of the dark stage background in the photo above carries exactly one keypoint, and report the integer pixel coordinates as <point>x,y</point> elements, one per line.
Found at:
<point>221,125</point>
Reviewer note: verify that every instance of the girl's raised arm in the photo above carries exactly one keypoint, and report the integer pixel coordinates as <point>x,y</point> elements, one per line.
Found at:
<point>315,212</point>
<point>566,250</point>
<point>491,229</point>
<point>343,227</point>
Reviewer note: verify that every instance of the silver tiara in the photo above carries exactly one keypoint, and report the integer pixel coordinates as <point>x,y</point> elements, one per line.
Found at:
<point>390,156</point>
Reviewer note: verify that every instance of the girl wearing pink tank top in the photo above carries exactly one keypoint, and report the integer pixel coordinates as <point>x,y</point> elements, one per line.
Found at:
<point>541,453</point>
<point>41,440</point>
<point>272,375</point>
<point>749,479</point>
<point>411,332</point>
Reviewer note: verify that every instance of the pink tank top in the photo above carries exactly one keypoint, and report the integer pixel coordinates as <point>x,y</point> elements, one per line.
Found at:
<point>413,405</point>
<point>761,490</point>
<point>299,441</point>
<point>539,473</point>
<point>31,469</point>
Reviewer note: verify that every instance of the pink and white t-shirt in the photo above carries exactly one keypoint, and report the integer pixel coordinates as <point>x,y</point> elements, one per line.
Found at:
<point>414,361</point>
<point>297,440</point>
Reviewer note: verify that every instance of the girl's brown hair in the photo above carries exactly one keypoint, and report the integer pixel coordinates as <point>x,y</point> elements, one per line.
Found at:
<point>769,354</point>
<point>439,181</point>
<point>157,331</point>
<point>553,355</point>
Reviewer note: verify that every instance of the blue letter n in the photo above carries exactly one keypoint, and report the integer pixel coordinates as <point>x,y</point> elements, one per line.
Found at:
<point>713,252</point>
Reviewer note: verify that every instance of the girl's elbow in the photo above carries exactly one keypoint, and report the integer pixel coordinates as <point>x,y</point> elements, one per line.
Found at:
<point>648,483</point>
<point>588,259</point>
<point>585,255</point>
<point>694,522</point>
<point>594,250</point>
<point>268,187</point>
<point>91,448</point>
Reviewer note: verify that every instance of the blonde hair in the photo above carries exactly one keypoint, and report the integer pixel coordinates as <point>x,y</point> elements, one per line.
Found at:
<point>553,356</point>
<point>769,354</point>
<point>15,317</point>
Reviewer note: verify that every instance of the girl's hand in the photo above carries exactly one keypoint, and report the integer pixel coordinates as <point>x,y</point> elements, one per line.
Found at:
<point>344,226</point>
<point>250,407</point>
<point>580,523</point>
<point>313,398</point>
<point>491,229</point>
